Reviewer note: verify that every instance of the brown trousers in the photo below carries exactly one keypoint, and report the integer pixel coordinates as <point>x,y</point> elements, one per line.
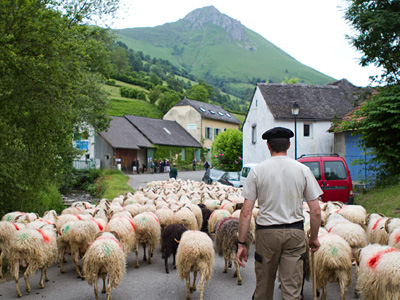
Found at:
<point>279,249</point>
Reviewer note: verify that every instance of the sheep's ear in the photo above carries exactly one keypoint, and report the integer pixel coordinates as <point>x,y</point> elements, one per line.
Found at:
<point>367,219</point>
<point>324,206</point>
<point>98,235</point>
<point>115,234</point>
<point>382,215</point>
<point>357,256</point>
<point>387,224</point>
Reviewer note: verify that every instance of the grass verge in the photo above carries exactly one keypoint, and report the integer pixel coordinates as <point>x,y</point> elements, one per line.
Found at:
<point>110,184</point>
<point>384,200</point>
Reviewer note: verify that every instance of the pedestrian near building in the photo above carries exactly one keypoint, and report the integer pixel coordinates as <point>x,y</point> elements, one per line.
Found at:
<point>167,166</point>
<point>152,167</point>
<point>173,173</point>
<point>194,162</point>
<point>134,166</point>
<point>280,184</point>
<point>206,165</point>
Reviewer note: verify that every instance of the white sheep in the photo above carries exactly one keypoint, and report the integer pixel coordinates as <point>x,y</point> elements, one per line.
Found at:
<point>351,232</point>
<point>216,216</point>
<point>186,217</point>
<point>148,232</point>
<point>333,263</point>
<point>33,249</point>
<point>353,213</point>
<point>197,212</point>
<point>105,258</point>
<point>195,254</point>
<point>378,272</point>
<point>124,227</point>
<point>376,232</point>
<point>7,230</point>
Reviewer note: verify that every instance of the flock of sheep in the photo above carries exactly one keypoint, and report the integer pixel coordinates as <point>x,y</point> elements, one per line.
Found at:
<point>192,220</point>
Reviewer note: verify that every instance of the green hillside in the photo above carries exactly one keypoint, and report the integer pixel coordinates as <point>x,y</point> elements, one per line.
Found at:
<point>220,50</point>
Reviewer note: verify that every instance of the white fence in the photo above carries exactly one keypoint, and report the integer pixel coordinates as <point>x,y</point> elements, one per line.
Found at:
<point>86,164</point>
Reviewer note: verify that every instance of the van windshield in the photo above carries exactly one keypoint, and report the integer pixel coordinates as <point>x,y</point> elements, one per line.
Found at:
<point>334,170</point>
<point>315,169</point>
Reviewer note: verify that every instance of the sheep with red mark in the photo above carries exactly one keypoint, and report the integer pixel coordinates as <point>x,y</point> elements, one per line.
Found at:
<point>148,233</point>
<point>34,249</point>
<point>215,217</point>
<point>378,272</point>
<point>226,242</point>
<point>195,254</point>
<point>376,232</point>
<point>7,230</point>
<point>124,227</point>
<point>104,259</point>
<point>333,263</point>
<point>171,237</point>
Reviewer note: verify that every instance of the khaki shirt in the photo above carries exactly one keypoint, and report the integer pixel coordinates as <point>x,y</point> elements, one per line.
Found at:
<point>280,184</point>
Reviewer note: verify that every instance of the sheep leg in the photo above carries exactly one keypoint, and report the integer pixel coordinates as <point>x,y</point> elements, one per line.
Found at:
<point>193,288</point>
<point>109,290</point>
<point>103,276</point>
<point>1,263</point>
<point>96,292</point>
<point>166,264</point>
<point>237,272</point>
<point>76,261</point>
<point>173,261</point>
<point>61,259</point>
<point>201,285</point>
<point>41,284</point>
<point>323,297</point>
<point>226,266</point>
<point>188,286</point>
<point>26,277</point>
<point>150,255</point>
<point>137,256</point>
<point>16,273</point>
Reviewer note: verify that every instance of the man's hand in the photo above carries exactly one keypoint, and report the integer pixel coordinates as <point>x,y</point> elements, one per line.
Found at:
<point>241,254</point>
<point>314,245</point>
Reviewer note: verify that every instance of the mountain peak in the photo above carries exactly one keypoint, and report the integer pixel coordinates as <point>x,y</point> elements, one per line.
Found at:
<point>199,17</point>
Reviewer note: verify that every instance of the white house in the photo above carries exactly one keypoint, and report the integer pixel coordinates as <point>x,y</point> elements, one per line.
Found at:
<point>319,105</point>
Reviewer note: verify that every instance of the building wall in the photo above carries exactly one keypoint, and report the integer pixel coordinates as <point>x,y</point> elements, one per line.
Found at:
<point>188,118</point>
<point>213,124</point>
<point>260,117</point>
<point>104,152</point>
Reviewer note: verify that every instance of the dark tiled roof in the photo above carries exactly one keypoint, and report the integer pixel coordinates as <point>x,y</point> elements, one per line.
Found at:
<point>206,111</point>
<point>121,134</point>
<point>317,102</point>
<point>163,132</point>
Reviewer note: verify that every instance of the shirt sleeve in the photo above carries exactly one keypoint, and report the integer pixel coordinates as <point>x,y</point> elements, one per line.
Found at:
<point>312,190</point>
<point>249,191</point>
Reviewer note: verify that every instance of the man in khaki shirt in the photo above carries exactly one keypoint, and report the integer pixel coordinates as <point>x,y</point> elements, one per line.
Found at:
<point>279,184</point>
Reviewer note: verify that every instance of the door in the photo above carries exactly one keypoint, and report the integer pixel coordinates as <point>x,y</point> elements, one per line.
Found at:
<point>335,183</point>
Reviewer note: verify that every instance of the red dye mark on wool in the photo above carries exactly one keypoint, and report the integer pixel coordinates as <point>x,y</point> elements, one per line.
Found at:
<point>373,261</point>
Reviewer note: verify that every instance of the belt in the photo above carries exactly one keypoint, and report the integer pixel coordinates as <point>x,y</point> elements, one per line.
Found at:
<point>296,225</point>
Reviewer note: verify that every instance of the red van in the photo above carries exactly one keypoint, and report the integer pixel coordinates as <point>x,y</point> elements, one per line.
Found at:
<point>333,176</point>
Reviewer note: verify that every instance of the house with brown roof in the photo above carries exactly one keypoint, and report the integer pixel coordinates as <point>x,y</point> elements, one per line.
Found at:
<point>132,138</point>
<point>319,104</point>
<point>203,121</point>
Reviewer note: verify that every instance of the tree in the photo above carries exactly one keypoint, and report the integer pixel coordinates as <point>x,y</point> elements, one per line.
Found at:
<point>199,93</point>
<point>292,80</point>
<point>155,94</point>
<point>119,58</point>
<point>226,150</point>
<point>51,75</point>
<point>378,34</point>
<point>168,100</point>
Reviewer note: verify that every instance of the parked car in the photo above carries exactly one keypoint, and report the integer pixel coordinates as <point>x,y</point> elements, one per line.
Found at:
<point>212,175</point>
<point>245,172</point>
<point>332,174</point>
<point>230,178</point>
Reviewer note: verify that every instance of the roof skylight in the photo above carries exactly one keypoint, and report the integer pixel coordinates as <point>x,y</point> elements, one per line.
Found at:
<point>220,113</point>
<point>228,115</point>
<point>202,109</point>
<point>213,112</point>
<point>167,131</point>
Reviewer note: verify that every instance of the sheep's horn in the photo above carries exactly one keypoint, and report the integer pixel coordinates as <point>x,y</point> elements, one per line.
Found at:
<point>176,241</point>
<point>387,224</point>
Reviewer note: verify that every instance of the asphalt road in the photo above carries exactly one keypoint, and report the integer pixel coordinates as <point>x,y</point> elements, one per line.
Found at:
<point>151,281</point>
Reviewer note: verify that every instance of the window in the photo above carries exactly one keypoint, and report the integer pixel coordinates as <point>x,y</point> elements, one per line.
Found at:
<point>254,134</point>
<point>307,130</point>
<point>315,169</point>
<point>202,109</point>
<point>334,170</point>
<point>208,133</point>
<point>228,115</point>
<point>216,131</point>
<point>220,113</point>
<point>213,112</point>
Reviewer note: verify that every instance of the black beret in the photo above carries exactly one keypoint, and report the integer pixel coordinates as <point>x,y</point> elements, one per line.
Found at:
<point>277,133</point>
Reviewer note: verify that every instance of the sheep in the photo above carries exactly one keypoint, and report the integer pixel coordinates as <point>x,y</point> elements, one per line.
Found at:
<point>20,217</point>
<point>50,215</point>
<point>212,204</point>
<point>216,216</point>
<point>148,231</point>
<point>63,243</point>
<point>353,213</point>
<point>197,212</point>
<point>33,249</point>
<point>333,263</point>
<point>195,254</point>
<point>226,242</point>
<point>104,258</point>
<point>206,213</point>
<point>7,230</point>
<point>82,234</point>
<point>376,232</point>
<point>170,241</point>
<point>378,272</point>
<point>186,217</point>
<point>165,216</point>
<point>124,227</point>
<point>351,232</point>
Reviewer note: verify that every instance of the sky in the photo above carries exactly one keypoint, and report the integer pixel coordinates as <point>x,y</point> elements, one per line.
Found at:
<point>311,31</point>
